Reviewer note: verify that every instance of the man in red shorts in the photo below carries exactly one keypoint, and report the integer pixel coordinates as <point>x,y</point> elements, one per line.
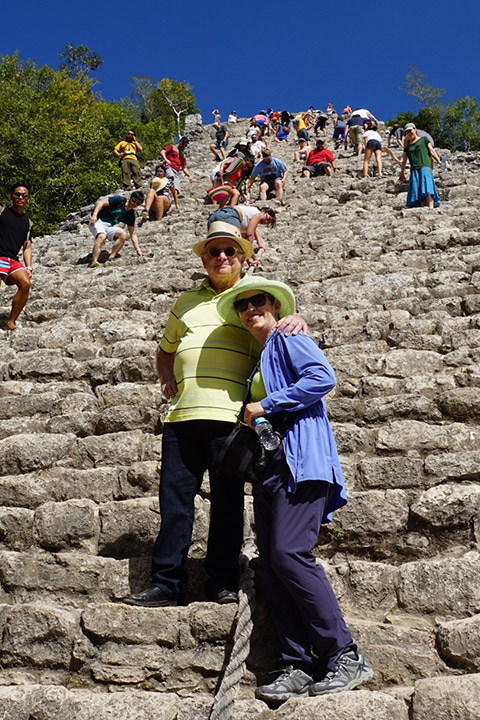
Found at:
<point>15,234</point>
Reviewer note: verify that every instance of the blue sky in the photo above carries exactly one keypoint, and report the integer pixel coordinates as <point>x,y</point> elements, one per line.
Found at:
<point>242,57</point>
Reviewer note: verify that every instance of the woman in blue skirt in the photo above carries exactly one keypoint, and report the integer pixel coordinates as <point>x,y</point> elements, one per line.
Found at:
<point>420,152</point>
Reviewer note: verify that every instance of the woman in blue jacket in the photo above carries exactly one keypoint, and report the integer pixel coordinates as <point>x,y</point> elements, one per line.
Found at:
<point>299,490</point>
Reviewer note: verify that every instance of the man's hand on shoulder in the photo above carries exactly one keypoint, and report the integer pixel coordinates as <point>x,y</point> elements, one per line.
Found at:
<point>292,324</point>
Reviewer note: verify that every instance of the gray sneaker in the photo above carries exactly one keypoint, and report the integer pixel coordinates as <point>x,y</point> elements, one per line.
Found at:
<point>352,670</point>
<point>290,683</point>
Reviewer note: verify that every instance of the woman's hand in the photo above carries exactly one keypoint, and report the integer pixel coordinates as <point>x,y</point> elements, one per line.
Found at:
<point>252,412</point>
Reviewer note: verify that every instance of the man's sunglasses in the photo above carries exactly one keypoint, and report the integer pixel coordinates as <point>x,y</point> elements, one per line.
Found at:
<point>256,300</point>
<point>229,251</point>
<point>22,195</point>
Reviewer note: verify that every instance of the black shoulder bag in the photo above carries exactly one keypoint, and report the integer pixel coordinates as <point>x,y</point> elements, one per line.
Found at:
<point>242,455</point>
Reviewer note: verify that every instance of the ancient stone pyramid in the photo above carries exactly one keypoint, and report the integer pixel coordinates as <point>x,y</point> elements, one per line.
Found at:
<point>393,297</point>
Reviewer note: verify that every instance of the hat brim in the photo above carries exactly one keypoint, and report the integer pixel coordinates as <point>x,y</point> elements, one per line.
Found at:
<point>223,233</point>
<point>277,289</point>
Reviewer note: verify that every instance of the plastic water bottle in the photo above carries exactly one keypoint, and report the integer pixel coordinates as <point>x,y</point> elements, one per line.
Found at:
<point>444,162</point>
<point>269,438</point>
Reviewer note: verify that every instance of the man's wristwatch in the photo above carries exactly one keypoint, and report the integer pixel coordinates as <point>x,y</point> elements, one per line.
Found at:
<point>29,267</point>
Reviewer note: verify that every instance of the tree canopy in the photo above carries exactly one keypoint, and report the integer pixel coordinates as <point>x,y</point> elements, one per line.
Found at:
<point>454,125</point>
<point>58,136</point>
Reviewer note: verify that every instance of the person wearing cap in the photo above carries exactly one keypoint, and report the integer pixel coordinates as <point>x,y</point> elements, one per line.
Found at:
<point>203,365</point>
<point>175,160</point>
<point>243,146</point>
<point>298,491</point>
<point>273,174</point>
<point>320,161</point>
<point>127,151</point>
<point>159,197</point>
<point>421,187</point>
<point>304,148</point>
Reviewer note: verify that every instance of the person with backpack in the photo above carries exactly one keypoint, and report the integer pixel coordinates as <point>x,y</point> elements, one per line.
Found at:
<point>127,151</point>
<point>15,231</point>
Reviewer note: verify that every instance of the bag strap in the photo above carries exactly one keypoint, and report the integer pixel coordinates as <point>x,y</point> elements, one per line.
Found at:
<point>246,397</point>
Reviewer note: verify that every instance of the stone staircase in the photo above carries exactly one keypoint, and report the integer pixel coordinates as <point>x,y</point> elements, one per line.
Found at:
<point>393,297</point>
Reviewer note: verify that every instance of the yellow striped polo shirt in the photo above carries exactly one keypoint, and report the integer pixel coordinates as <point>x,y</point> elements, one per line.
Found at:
<point>212,360</point>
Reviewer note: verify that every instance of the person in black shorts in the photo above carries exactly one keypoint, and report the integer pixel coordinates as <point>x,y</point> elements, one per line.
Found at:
<point>15,230</point>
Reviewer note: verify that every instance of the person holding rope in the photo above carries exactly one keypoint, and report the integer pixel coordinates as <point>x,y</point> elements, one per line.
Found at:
<point>300,487</point>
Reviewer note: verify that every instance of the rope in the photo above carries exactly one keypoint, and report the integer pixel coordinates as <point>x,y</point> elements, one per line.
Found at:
<point>223,703</point>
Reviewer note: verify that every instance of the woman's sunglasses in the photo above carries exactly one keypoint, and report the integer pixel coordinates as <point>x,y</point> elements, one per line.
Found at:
<point>256,300</point>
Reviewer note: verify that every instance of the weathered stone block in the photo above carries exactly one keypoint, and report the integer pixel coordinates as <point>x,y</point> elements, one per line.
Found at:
<point>411,435</point>
<point>458,641</point>
<point>210,623</point>
<point>371,587</point>
<point>121,448</point>
<point>447,698</point>
<point>450,586</point>
<point>126,417</point>
<point>399,655</point>
<point>396,406</point>
<point>391,472</point>
<point>36,634</point>
<point>141,478</point>
<point>23,453</point>
<point>72,576</point>
<point>16,531</point>
<point>461,403</point>
<point>73,524</point>
<point>405,363</point>
<point>361,705</point>
<point>373,512</point>
<point>448,505</point>
<point>454,466</point>
<point>128,527</point>
<point>126,624</point>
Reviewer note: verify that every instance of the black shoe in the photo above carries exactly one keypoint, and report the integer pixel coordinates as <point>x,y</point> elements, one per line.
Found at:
<point>224,596</point>
<point>151,597</point>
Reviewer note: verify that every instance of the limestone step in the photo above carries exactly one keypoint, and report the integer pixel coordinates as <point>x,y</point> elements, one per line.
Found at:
<point>183,649</point>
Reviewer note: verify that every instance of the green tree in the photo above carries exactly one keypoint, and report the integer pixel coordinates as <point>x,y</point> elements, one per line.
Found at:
<point>168,99</point>
<point>79,60</point>
<point>455,126</point>
<point>416,86</point>
<point>58,137</point>
<point>460,128</point>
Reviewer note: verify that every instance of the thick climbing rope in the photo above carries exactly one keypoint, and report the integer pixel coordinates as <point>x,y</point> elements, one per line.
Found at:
<point>223,703</point>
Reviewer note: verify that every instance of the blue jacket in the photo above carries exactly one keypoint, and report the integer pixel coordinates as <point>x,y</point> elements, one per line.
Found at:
<point>297,376</point>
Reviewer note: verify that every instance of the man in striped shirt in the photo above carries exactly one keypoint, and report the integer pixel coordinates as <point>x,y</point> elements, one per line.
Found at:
<point>203,365</point>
